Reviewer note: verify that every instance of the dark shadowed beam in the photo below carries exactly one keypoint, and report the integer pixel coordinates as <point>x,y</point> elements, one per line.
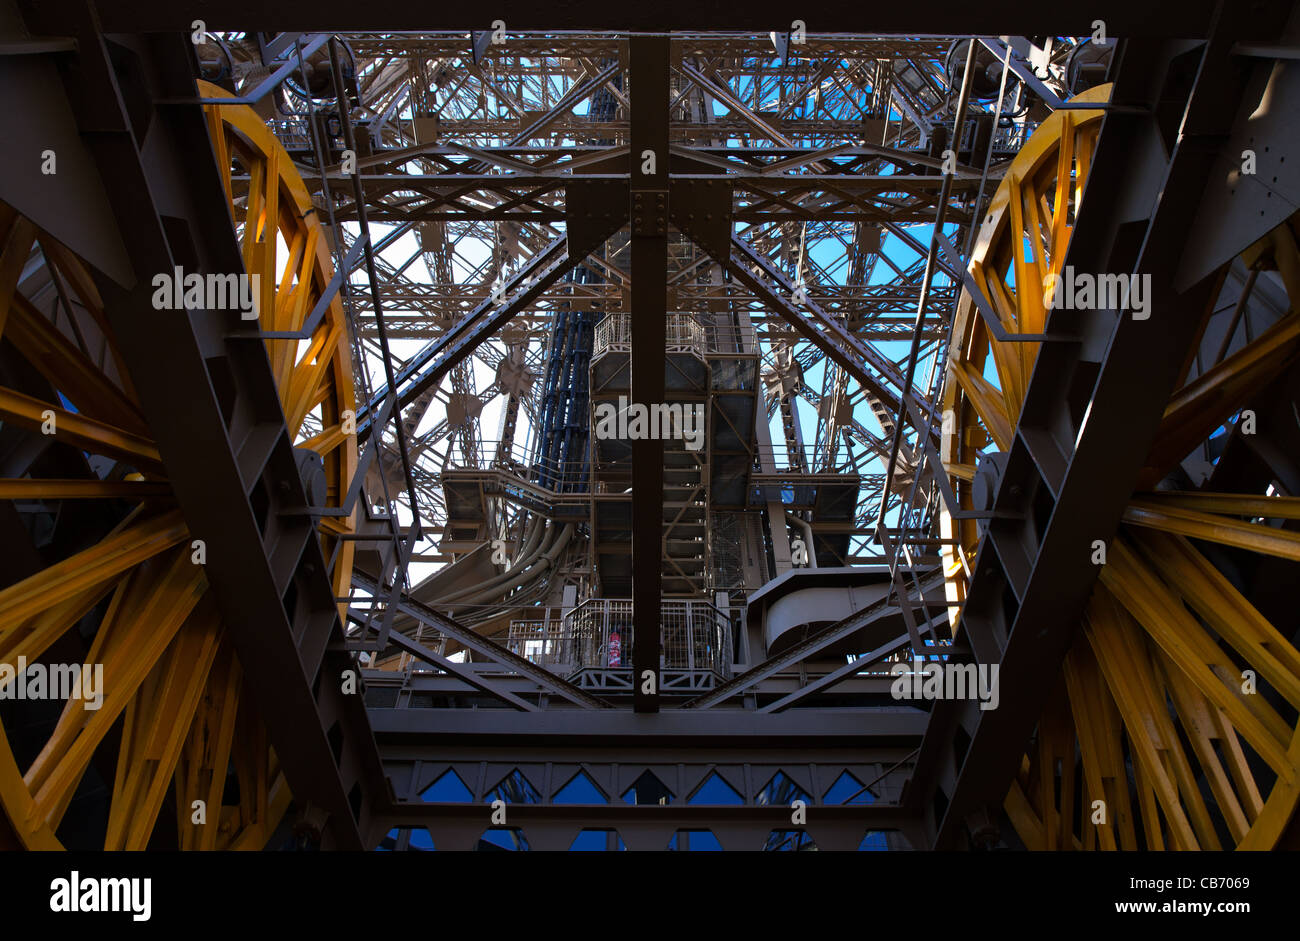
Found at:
<point>458,670</point>
<point>991,17</point>
<point>483,646</point>
<point>648,71</point>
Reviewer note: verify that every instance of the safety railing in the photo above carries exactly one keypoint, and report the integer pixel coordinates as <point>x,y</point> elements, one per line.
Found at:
<point>684,334</point>
<point>694,635</point>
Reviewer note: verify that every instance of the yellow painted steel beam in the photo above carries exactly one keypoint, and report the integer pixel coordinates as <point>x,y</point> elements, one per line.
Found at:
<point>1279,809</point>
<point>1278,250</point>
<point>75,273</point>
<point>1029,294</point>
<point>17,235</point>
<point>1091,747</point>
<point>1208,401</point>
<point>1247,788</point>
<point>1150,815</point>
<point>33,488</point>
<point>1214,528</point>
<point>255,836</point>
<point>1060,217</point>
<point>326,440</point>
<point>1141,591</point>
<point>1230,504</point>
<point>79,430</point>
<point>1126,666</point>
<point>69,370</point>
<point>205,758</point>
<point>32,831</point>
<point>251,761</point>
<point>1021,813</point>
<point>1225,609</point>
<point>31,638</point>
<point>1015,360</point>
<point>987,401</point>
<point>1099,728</point>
<point>1194,714</point>
<point>143,617</point>
<point>310,376</point>
<point>157,720</point>
<point>1056,742</point>
<point>111,556</point>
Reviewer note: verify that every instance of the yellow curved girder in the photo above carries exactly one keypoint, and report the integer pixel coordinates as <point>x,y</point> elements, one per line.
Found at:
<point>169,667</point>
<point>1158,661</point>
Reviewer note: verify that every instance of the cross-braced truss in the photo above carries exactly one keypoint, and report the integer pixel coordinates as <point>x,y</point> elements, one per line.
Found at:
<point>812,260</point>
<point>836,153</point>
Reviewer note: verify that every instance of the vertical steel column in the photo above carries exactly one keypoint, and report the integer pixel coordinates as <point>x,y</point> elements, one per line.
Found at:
<point>648,71</point>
